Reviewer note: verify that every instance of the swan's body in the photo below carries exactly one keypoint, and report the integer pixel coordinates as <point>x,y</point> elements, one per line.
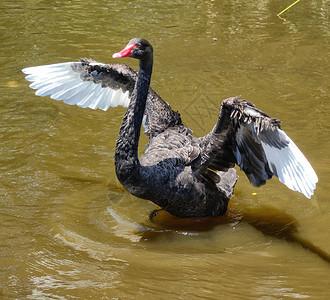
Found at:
<point>184,175</point>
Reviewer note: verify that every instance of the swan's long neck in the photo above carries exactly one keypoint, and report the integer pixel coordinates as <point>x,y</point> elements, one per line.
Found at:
<point>126,154</point>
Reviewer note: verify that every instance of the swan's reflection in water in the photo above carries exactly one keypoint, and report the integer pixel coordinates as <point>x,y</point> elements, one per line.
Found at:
<point>268,220</point>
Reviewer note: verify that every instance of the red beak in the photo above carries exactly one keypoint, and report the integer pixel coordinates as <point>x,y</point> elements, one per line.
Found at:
<point>126,52</point>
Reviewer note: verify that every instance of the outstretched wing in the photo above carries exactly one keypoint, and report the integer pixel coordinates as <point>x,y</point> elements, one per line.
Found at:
<point>86,83</point>
<point>248,137</point>
<point>95,85</point>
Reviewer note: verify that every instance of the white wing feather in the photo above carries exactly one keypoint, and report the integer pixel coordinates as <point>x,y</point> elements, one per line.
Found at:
<point>291,167</point>
<point>62,83</point>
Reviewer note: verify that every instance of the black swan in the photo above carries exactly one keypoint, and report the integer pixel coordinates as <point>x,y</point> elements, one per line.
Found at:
<point>185,175</point>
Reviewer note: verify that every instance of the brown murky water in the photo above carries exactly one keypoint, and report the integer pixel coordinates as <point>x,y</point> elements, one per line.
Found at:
<point>70,231</point>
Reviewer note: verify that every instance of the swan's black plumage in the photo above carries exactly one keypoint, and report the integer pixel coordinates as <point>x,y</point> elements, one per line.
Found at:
<point>185,175</point>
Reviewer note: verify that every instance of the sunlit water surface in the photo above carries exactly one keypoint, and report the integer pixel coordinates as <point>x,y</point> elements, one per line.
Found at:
<point>70,231</point>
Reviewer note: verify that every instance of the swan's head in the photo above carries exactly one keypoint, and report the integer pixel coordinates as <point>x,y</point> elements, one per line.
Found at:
<point>136,48</point>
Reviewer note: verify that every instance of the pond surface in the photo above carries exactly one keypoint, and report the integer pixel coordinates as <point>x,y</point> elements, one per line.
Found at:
<point>70,231</point>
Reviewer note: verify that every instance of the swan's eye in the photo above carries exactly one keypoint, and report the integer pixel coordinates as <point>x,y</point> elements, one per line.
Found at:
<point>139,45</point>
